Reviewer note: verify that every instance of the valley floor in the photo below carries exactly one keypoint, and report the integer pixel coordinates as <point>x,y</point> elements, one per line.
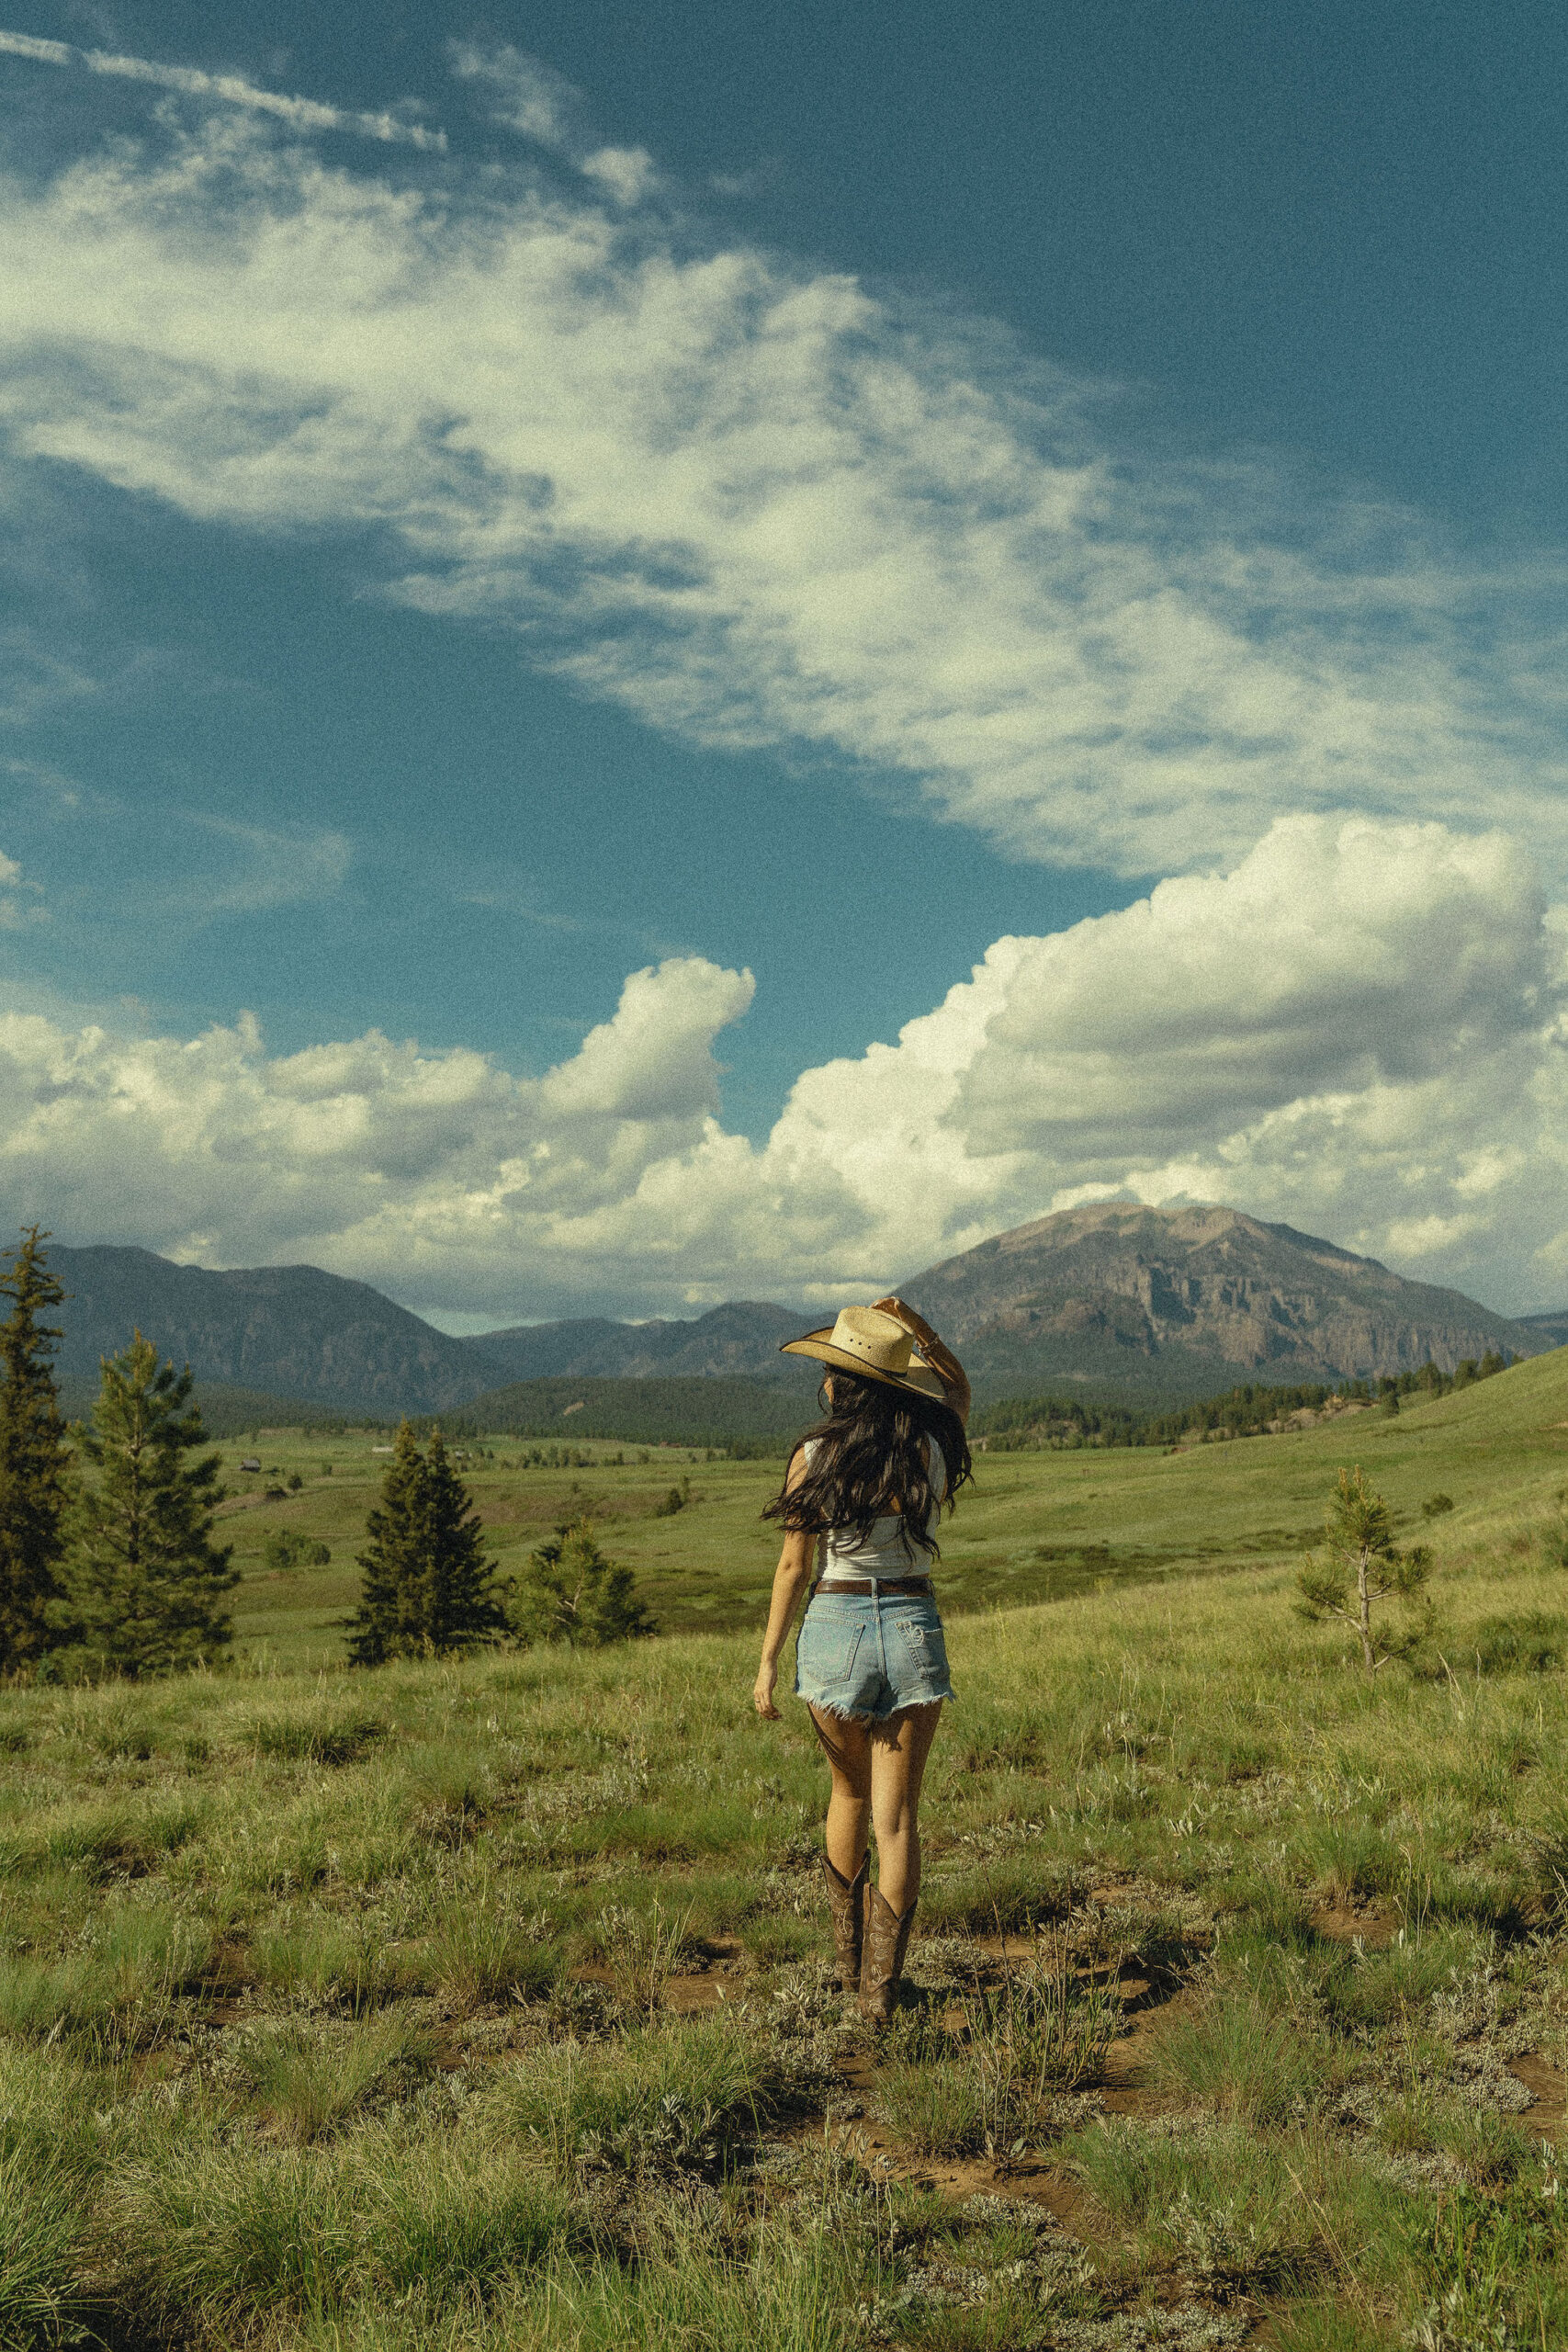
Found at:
<point>1034,1527</point>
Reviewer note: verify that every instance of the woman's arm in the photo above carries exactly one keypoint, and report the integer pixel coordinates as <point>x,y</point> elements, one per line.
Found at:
<point>940,1357</point>
<point>790,1579</point>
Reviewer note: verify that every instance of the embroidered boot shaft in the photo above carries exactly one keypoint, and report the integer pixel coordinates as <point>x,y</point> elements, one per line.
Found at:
<point>882,1959</point>
<point>846,1902</point>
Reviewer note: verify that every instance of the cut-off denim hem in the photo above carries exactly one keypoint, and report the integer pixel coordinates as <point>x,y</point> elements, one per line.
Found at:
<point>862,1658</point>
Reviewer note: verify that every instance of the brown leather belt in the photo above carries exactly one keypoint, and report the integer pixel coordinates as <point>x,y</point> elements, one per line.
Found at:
<point>900,1585</point>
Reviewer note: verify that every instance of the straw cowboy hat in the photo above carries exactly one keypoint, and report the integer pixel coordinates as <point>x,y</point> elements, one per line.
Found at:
<point>876,1345</point>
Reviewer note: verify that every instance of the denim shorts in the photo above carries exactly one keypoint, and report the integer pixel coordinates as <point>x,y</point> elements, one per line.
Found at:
<point>865,1658</point>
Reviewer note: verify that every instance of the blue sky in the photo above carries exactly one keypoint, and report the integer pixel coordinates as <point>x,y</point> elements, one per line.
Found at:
<point>1003,565</point>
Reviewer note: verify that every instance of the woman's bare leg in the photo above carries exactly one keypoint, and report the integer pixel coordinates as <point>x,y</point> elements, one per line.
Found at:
<point>877,1771</point>
<point>898,1751</point>
<point>847,1750</point>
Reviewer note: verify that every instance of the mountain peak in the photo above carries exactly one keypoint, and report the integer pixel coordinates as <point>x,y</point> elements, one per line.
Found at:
<point>1190,1298</point>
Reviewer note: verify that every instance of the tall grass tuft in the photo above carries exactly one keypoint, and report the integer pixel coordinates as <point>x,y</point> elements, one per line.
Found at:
<point>310,2082</point>
<point>1245,2058</point>
<point>1040,2030</point>
<point>479,1951</point>
<point>43,2225</point>
<point>670,2097</point>
<point>643,1950</point>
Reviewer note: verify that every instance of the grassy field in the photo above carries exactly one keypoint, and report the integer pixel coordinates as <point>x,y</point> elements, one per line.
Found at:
<point>1035,1527</point>
<point>484,2004</point>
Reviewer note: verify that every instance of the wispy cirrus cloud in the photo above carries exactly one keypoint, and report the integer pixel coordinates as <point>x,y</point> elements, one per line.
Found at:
<point>759,506</point>
<point>121,866</point>
<point>306,114</point>
<point>531,98</point>
<point>21,899</point>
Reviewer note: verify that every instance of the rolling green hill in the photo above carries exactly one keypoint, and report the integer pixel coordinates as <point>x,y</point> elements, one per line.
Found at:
<point>697,1410</point>
<point>1033,1526</point>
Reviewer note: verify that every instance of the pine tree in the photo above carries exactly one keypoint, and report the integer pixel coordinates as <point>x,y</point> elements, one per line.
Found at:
<point>34,1462</point>
<point>572,1592</point>
<point>149,1583</point>
<point>1360,1546</point>
<point>427,1587</point>
<point>462,1604</point>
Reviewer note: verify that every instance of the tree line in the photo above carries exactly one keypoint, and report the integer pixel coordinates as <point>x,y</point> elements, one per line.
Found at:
<point>1019,1424</point>
<point>117,1573</point>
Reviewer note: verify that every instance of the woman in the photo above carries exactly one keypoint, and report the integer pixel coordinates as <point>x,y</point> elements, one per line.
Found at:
<point>862,1497</point>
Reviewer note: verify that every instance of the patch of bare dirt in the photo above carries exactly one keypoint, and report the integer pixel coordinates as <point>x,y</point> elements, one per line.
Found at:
<point>1343,1924</point>
<point>685,1995</point>
<point>1548,2088</point>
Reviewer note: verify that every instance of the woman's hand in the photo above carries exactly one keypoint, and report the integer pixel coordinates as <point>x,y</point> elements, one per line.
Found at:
<point>790,1579</point>
<point>936,1351</point>
<point>914,1324</point>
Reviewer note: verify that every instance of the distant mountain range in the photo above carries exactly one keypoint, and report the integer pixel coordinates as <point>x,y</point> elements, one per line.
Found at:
<point>1551,1329</point>
<point>292,1330</point>
<point>741,1338</point>
<point>1145,1306</point>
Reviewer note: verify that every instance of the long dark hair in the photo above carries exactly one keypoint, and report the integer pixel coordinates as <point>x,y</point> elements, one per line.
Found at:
<point>870,1455</point>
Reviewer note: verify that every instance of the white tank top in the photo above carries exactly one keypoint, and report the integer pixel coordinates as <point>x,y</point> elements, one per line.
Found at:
<point>881,1556</point>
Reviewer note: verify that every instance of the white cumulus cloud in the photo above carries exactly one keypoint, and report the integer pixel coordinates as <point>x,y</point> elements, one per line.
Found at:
<point>1384,1062</point>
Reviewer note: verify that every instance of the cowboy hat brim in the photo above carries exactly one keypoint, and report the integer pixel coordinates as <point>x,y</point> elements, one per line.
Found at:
<point>919,1379</point>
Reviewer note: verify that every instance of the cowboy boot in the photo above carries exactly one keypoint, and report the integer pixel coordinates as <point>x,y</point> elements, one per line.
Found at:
<point>846,1898</point>
<point>882,1959</point>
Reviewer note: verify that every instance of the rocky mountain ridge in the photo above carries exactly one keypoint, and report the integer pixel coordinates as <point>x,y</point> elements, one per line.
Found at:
<point>741,1337</point>
<point>292,1330</point>
<point>1193,1294</point>
<point>1145,1305</point>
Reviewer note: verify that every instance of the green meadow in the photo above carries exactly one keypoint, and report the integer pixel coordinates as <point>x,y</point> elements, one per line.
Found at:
<point>484,2004</point>
<point>1034,1527</point>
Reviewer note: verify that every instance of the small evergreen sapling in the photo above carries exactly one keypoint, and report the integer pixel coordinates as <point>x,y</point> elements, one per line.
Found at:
<point>35,1465</point>
<point>571,1592</point>
<point>427,1588</point>
<point>149,1585</point>
<point>1359,1534</point>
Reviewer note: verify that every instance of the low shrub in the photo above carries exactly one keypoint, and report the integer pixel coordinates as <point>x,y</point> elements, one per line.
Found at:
<point>570,1591</point>
<point>286,1551</point>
